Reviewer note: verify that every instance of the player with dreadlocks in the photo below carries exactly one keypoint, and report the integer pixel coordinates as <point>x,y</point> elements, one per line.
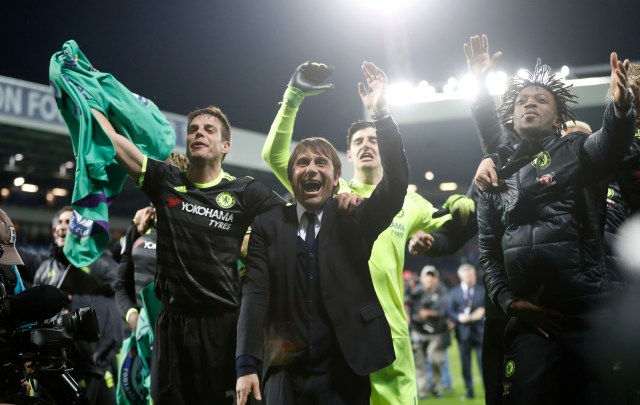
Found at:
<point>540,239</point>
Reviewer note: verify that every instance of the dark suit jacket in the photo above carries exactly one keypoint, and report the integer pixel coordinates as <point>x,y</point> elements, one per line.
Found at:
<point>344,246</point>
<point>471,331</point>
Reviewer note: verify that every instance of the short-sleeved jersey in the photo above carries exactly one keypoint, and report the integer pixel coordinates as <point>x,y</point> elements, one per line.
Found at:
<point>143,256</point>
<point>387,257</point>
<point>200,231</point>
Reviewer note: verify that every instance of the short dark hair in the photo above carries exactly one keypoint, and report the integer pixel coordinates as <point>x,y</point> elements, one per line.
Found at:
<point>54,220</point>
<point>214,112</point>
<point>317,145</point>
<point>355,127</point>
<point>541,77</point>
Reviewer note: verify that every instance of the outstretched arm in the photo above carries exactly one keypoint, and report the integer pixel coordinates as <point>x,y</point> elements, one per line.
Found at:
<point>307,80</point>
<point>128,155</point>
<point>606,147</point>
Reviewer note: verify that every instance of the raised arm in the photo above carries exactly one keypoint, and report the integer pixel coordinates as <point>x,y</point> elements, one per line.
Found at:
<point>387,198</point>
<point>488,125</point>
<point>606,147</point>
<point>128,155</point>
<point>307,80</point>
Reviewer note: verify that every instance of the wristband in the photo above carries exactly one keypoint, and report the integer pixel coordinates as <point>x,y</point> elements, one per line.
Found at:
<point>380,114</point>
<point>129,312</point>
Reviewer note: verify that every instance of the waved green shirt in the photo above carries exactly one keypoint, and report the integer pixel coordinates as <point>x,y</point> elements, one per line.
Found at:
<point>387,258</point>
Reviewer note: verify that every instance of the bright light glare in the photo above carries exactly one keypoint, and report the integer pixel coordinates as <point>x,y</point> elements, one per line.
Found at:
<point>404,93</point>
<point>564,71</point>
<point>59,192</point>
<point>496,82</point>
<point>412,188</point>
<point>468,86</point>
<point>29,188</point>
<point>523,73</point>
<point>18,181</point>
<point>429,175</point>
<point>387,6</point>
<point>69,165</point>
<point>19,157</point>
<point>448,186</point>
<point>5,192</point>
<point>451,86</point>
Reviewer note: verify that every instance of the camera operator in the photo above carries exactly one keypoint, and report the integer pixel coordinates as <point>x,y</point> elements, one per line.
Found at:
<point>94,364</point>
<point>10,280</point>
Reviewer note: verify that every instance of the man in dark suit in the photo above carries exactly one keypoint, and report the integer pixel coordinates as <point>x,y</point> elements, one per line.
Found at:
<point>309,310</point>
<point>466,308</point>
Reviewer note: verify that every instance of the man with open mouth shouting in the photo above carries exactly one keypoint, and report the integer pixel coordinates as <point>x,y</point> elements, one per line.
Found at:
<point>308,298</point>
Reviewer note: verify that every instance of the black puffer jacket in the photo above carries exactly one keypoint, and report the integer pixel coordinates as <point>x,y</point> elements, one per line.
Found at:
<point>545,226</point>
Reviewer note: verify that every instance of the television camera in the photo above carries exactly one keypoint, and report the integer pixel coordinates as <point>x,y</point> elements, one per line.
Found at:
<point>34,345</point>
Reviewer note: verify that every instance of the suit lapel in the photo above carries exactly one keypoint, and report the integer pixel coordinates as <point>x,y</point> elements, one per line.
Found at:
<point>329,213</point>
<point>289,243</point>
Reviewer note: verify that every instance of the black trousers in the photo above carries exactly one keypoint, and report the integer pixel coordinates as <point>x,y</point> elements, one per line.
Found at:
<point>340,386</point>
<point>493,359</point>
<point>194,359</point>
<point>573,367</point>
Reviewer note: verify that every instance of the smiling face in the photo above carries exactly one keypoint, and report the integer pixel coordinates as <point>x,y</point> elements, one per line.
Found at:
<point>363,150</point>
<point>314,172</point>
<point>535,113</point>
<point>60,228</point>
<point>205,141</point>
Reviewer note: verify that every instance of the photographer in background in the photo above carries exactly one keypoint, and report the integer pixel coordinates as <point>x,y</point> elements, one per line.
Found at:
<point>94,363</point>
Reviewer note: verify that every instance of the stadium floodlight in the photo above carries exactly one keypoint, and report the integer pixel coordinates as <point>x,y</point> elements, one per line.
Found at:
<point>29,188</point>
<point>449,186</point>
<point>400,93</point>
<point>468,86</point>
<point>18,181</point>
<point>59,192</point>
<point>450,86</point>
<point>429,175</point>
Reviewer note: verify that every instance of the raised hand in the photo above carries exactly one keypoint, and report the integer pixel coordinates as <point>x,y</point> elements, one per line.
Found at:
<point>478,59</point>
<point>619,84</point>
<point>374,94</point>
<point>310,76</point>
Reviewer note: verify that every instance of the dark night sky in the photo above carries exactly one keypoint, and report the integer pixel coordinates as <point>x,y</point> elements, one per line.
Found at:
<point>239,54</point>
